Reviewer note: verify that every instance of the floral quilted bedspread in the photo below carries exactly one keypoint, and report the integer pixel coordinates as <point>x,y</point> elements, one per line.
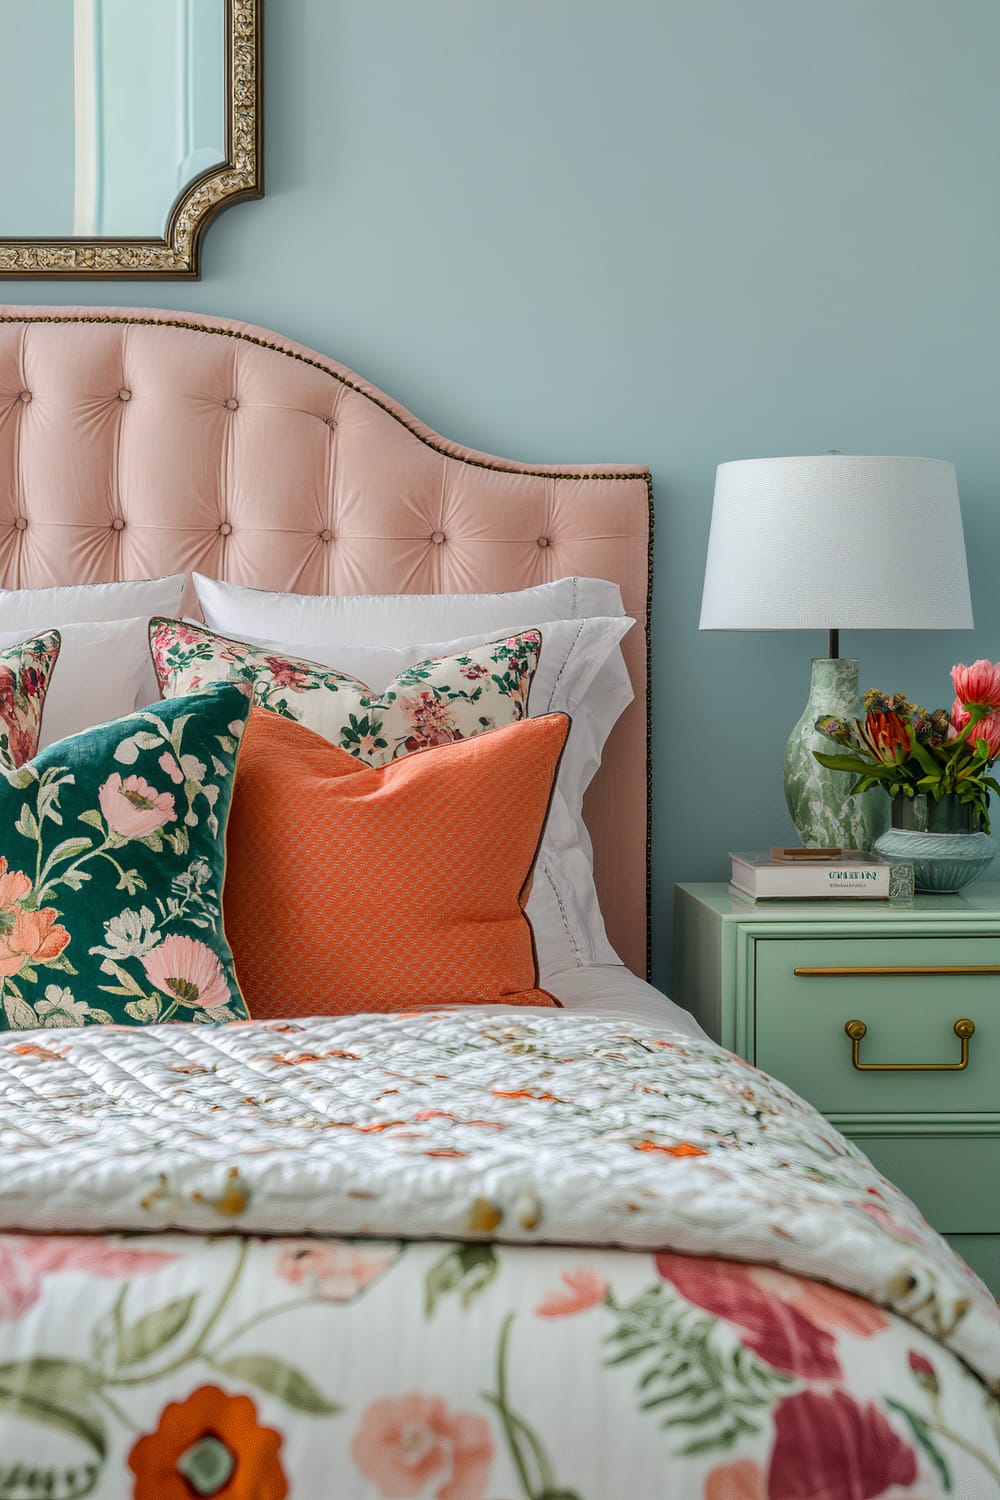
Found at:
<point>170,1366</point>
<point>439,1309</point>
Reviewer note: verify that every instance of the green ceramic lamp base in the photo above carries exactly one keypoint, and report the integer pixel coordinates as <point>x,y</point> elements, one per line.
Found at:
<point>819,800</point>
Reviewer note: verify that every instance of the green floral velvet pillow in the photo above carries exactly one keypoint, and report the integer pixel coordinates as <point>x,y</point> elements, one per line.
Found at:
<point>431,703</point>
<point>25,670</point>
<point>111,871</point>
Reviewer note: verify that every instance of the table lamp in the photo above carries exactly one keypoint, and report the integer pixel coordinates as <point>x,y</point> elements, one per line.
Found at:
<point>834,542</point>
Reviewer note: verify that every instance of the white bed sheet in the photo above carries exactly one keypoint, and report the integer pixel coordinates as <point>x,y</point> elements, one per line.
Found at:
<point>613,990</point>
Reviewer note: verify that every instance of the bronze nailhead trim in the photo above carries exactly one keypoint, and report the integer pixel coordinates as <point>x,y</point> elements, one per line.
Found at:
<point>317,364</point>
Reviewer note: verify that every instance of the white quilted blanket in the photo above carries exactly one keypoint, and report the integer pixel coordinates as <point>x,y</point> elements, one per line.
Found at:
<point>548,1127</point>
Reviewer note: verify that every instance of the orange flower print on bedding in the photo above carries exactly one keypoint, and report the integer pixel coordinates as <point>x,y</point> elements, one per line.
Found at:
<point>683,1148</point>
<point>583,1288</point>
<point>739,1481</point>
<point>210,1444</point>
<point>406,1445</point>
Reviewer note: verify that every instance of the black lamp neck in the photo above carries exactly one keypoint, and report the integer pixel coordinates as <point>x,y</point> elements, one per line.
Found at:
<point>834,651</point>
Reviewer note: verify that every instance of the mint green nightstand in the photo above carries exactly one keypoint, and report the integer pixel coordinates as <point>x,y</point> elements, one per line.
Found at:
<point>778,981</point>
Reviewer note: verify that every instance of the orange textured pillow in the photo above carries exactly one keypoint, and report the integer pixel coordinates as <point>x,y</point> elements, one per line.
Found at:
<point>359,888</point>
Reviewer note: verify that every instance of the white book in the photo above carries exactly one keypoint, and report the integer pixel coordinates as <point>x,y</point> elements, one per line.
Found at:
<point>854,875</point>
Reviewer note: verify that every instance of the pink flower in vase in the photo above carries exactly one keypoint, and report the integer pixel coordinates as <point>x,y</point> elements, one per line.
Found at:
<point>978,684</point>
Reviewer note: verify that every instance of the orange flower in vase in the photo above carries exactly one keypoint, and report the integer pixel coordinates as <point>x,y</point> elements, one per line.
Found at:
<point>885,734</point>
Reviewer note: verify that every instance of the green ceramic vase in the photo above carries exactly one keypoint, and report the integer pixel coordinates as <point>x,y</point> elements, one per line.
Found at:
<point>819,800</point>
<point>943,840</point>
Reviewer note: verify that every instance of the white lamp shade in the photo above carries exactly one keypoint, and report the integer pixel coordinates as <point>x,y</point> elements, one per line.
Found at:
<point>836,542</point>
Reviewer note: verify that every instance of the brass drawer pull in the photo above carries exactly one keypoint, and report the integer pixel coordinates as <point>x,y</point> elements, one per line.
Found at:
<point>857,1030</point>
<point>879,970</point>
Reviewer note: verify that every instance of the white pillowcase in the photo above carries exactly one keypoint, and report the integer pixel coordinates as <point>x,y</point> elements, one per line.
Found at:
<point>52,608</point>
<point>80,696</point>
<point>580,672</point>
<point>102,669</point>
<point>394,620</point>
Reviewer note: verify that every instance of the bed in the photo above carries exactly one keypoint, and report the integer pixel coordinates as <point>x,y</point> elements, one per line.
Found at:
<point>560,1250</point>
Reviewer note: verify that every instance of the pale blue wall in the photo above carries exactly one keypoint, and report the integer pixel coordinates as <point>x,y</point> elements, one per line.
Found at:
<point>671,231</point>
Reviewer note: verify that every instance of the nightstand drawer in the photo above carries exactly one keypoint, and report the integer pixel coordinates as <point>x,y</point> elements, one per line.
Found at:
<point>954,1180</point>
<point>808,988</point>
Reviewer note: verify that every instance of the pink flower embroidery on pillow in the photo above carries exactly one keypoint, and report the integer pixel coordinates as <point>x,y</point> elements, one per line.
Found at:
<point>434,722</point>
<point>133,808</point>
<point>188,972</point>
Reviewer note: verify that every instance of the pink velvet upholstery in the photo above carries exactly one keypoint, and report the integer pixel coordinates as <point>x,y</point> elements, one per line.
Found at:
<point>135,443</point>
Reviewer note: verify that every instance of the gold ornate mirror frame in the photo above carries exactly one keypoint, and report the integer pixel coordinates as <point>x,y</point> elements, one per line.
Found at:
<point>240,175</point>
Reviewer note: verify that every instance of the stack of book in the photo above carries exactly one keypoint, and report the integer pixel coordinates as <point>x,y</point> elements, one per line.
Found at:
<point>809,873</point>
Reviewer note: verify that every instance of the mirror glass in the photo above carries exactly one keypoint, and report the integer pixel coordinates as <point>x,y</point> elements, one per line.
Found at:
<point>108,110</point>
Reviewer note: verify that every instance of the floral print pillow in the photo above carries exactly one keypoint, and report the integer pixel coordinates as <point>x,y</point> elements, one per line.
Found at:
<point>431,703</point>
<point>111,871</point>
<point>25,671</point>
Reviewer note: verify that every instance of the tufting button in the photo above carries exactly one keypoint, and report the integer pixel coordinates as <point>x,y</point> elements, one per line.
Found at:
<point>326,536</point>
<point>20,523</point>
<point>124,394</point>
<point>25,396</point>
<point>225,529</point>
<point>232,403</point>
<point>331,422</point>
<point>117,524</point>
<point>543,541</point>
<point>437,537</point>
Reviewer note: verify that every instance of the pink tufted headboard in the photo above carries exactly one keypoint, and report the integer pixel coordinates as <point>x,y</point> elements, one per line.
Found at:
<point>138,442</point>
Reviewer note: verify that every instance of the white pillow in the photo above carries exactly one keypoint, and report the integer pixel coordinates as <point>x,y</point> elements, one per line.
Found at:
<point>44,609</point>
<point>26,611</point>
<point>393,620</point>
<point>581,672</point>
<point>102,669</point>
